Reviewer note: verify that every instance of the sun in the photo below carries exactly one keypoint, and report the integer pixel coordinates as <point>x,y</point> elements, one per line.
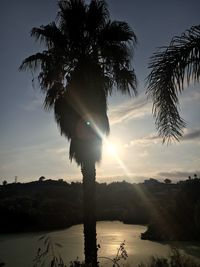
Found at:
<point>111,148</point>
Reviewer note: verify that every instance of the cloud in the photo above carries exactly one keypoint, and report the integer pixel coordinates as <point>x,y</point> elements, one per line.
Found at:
<point>191,94</point>
<point>57,151</point>
<point>192,134</point>
<point>178,174</point>
<point>132,178</point>
<point>130,110</point>
<point>144,141</point>
<point>35,104</point>
<point>143,154</point>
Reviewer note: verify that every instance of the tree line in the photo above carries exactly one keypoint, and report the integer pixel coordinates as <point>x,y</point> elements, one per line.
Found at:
<point>51,204</point>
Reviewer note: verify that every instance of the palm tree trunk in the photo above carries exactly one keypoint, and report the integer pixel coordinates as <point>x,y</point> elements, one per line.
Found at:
<point>89,207</point>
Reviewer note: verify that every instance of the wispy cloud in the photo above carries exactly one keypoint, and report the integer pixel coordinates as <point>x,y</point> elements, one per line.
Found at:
<point>191,135</point>
<point>144,141</point>
<point>178,174</point>
<point>130,110</point>
<point>33,105</point>
<point>191,94</point>
<point>143,154</point>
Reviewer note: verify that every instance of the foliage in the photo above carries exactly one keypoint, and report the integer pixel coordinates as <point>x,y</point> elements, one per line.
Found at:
<point>41,179</point>
<point>121,255</point>
<point>177,218</point>
<point>167,181</point>
<point>40,206</point>
<point>87,57</point>
<point>56,204</point>
<point>173,67</point>
<point>48,255</point>
<point>176,259</point>
<point>4,182</point>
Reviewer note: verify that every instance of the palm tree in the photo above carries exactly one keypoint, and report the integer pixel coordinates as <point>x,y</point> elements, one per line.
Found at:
<point>172,68</point>
<point>87,56</point>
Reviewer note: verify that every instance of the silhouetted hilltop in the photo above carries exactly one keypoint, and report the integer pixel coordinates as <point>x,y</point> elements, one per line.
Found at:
<point>178,217</point>
<point>51,204</point>
<point>40,205</point>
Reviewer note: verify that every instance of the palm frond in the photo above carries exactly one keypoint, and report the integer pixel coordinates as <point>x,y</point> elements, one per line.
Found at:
<point>115,54</point>
<point>97,16</point>
<point>52,94</point>
<point>34,61</point>
<point>126,80</point>
<point>65,116</point>
<point>79,148</point>
<point>171,68</point>
<point>71,19</point>
<point>86,57</point>
<point>118,31</point>
<point>49,35</point>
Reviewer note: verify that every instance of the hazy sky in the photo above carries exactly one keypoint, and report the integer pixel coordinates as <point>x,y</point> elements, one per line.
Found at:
<point>30,143</point>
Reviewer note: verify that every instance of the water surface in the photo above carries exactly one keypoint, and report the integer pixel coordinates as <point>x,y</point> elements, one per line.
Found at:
<point>18,250</point>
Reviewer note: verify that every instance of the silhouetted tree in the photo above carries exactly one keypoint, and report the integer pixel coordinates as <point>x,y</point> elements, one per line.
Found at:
<point>4,182</point>
<point>168,181</point>
<point>87,55</point>
<point>42,178</point>
<point>171,69</point>
<point>151,181</point>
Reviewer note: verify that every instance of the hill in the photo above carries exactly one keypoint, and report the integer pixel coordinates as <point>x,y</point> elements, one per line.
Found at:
<point>172,211</point>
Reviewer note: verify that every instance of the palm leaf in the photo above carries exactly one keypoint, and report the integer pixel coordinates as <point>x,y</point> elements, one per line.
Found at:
<point>71,19</point>
<point>171,68</point>
<point>126,80</point>
<point>118,31</point>
<point>97,16</point>
<point>34,61</point>
<point>52,94</point>
<point>49,35</point>
<point>87,56</point>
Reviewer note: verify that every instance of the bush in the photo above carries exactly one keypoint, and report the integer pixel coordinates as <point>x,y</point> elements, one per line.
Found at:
<point>176,259</point>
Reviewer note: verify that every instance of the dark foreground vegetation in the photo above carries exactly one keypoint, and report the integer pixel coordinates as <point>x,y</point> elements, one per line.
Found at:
<point>176,259</point>
<point>172,211</point>
<point>45,257</point>
<point>178,216</point>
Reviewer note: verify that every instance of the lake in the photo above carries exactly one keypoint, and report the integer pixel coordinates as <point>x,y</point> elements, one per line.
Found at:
<point>18,250</point>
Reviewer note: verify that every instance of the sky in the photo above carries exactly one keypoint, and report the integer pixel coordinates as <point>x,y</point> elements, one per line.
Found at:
<point>30,142</point>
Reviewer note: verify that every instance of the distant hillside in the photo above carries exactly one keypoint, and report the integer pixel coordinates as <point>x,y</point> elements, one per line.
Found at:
<point>177,218</point>
<point>50,204</point>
